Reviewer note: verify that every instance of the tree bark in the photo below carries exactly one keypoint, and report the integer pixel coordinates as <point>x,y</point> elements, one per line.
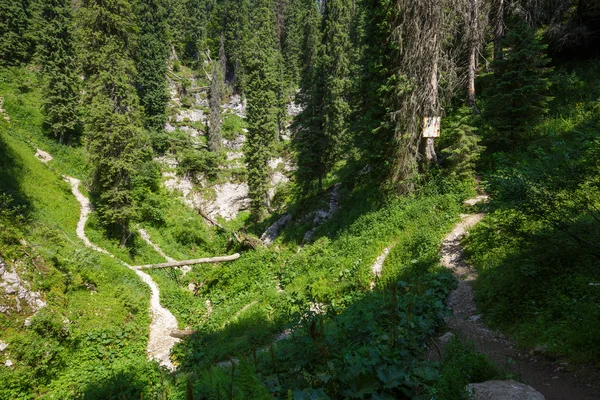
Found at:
<point>189,262</point>
<point>430,155</point>
<point>499,30</point>
<point>473,43</point>
<point>180,334</point>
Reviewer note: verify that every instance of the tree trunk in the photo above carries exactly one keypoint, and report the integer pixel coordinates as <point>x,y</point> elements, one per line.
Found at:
<point>430,155</point>
<point>499,30</point>
<point>473,43</point>
<point>124,234</point>
<point>189,262</point>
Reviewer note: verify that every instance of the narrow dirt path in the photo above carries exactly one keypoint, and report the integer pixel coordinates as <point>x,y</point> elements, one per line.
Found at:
<point>549,377</point>
<point>146,237</point>
<point>163,321</point>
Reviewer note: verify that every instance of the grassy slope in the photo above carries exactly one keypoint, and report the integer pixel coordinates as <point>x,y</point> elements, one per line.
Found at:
<point>103,353</point>
<point>536,282</point>
<point>84,337</point>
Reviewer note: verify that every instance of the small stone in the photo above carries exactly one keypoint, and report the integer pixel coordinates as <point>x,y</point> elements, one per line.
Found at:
<point>503,390</point>
<point>475,318</point>
<point>446,338</point>
<point>3,345</point>
<point>8,363</point>
<point>27,322</point>
<point>541,348</point>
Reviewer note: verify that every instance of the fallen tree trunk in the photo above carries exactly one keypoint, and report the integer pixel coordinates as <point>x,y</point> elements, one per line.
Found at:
<point>189,262</point>
<point>180,334</point>
<point>244,241</point>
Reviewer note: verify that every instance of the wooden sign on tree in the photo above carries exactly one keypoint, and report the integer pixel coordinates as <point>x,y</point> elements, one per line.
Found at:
<point>431,127</point>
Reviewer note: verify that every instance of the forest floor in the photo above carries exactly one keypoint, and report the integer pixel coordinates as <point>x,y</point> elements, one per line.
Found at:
<point>163,321</point>
<point>556,380</point>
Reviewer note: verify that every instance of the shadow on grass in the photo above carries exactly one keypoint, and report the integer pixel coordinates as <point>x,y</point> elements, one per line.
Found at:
<point>11,170</point>
<point>374,347</point>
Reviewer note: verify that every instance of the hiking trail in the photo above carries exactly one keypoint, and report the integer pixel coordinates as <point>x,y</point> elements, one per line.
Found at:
<point>552,378</point>
<point>163,321</point>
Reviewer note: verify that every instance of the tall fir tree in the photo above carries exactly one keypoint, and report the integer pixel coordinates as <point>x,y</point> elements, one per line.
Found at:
<point>215,96</point>
<point>336,77</point>
<point>261,82</point>
<point>117,145</point>
<point>237,34</point>
<point>291,47</point>
<point>371,118</point>
<point>320,142</point>
<point>308,140</point>
<point>188,20</point>
<point>151,62</point>
<point>57,54</point>
<point>519,94</point>
<point>16,42</point>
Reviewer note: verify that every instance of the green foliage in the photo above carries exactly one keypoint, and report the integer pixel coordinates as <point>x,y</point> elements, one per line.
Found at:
<point>93,329</point>
<point>199,163</point>
<point>151,62</point>
<point>519,94</point>
<point>233,126</point>
<point>57,54</point>
<point>461,365</point>
<point>117,145</point>
<point>373,127</point>
<point>187,22</point>
<point>320,138</point>
<point>261,93</point>
<point>537,251</point>
<point>15,37</point>
<point>464,149</point>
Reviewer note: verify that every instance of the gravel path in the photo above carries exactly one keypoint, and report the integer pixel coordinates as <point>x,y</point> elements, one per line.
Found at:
<point>552,378</point>
<point>163,321</point>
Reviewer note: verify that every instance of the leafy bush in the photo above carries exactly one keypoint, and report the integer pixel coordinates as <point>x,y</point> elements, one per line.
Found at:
<point>199,162</point>
<point>461,365</point>
<point>233,126</point>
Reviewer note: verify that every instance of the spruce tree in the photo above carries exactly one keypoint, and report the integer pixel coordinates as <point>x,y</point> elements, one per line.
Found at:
<point>519,94</point>
<point>152,62</point>
<point>336,77</point>
<point>324,123</point>
<point>375,129</point>
<point>237,35</point>
<point>261,93</point>
<point>308,141</point>
<point>57,54</point>
<point>15,41</point>
<point>215,96</point>
<point>118,147</point>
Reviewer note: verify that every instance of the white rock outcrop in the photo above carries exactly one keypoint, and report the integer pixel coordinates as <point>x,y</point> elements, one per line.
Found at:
<point>503,390</point>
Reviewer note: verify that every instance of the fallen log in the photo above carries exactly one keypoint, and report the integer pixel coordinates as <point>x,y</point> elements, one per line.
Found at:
<point>189,262</point>
<point>243,239</point>
<point>180,334</point>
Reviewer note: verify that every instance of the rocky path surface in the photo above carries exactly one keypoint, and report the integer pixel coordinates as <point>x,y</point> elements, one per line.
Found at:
<point>163,321</point>
<point>549,377</point>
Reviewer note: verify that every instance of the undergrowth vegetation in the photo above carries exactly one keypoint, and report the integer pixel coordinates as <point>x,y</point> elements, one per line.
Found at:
<point>537,251</point>
<point>304,323</point>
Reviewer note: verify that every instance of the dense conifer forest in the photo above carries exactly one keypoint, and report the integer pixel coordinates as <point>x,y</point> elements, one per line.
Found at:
<point>301,199</point>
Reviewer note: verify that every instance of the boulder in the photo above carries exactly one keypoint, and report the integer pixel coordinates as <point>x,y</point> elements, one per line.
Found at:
<point>503,390</point>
